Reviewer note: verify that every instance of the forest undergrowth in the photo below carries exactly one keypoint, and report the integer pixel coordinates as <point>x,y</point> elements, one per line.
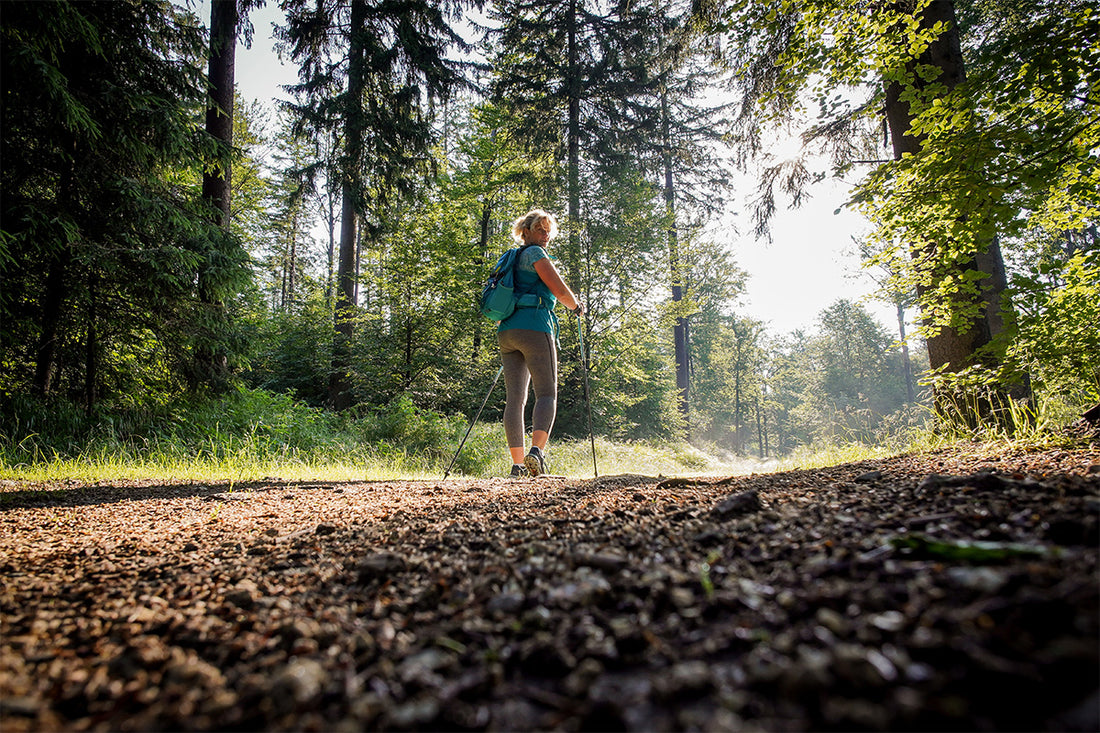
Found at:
<point>251,435</point>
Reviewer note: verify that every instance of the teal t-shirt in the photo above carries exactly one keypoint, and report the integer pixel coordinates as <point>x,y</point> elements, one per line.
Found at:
<point>534,301</point>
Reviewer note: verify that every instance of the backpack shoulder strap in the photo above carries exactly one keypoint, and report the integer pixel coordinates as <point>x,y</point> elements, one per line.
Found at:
<point>519,251</point>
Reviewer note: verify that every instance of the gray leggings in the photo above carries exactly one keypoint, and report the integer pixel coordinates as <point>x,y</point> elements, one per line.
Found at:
<point>528,357</point>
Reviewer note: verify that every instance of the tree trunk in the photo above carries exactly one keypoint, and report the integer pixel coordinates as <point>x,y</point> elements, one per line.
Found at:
<point>410,333</point>
<point>219,114</point>
<point>738,441</point>
<point>680,330</point>
<point>483,247</point>
<point>91,349</point>
<point>212,365</point>
<point>292,257</point>
<point>47,367</point>
<point>282,285</point>
<point>573,142</point>
<point>767,442</point>
<point>759,429</point>
<point>351,184</point>
<point>906,366</point>
<point>330,222</point>
<point>953,348</point>
<point>46,363</point>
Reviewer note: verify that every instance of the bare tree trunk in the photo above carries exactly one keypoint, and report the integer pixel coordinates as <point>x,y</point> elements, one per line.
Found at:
<point>573,143</point>
<point>767,442</point>
<point>486,219</point>
<point>47,358</point>
<point>340,380</point>
<point>219,114</point>
<point>292,256</point>
<point>737,423</point>
<point>906,365</point>
<point>212,366</point>
<point>47,366</point>
<point>91,349</point>
<point>680,330</point>
<point>759,429</point>
<point>282,284</point>
<point>330,216</point>
<point>409,337</point>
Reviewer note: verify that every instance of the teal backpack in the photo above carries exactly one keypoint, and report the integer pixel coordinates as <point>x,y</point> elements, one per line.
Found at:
<point>498,298</point>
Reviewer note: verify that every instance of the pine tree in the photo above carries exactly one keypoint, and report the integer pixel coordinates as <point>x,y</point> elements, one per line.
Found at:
<point>564,74</point>
<point>368,71</point>
<point>226,20</point>
<point>694,184</point>
<point>613,96</point>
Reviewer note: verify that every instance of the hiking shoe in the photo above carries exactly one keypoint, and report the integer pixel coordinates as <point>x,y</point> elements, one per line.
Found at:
<point>519,471</point>
<point>535,461</point>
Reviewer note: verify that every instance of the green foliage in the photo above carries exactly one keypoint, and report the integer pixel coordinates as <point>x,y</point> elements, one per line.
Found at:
<point>1000,147</point>
<point>1058,345</point>
<point>403,426</point>
<point>728,381</point>
<point>841,384</point>
<point>292,351</point>
<point>1055,349</point>
<point>631,379</point>
<point>1011,149</point>
<point>104,232</point>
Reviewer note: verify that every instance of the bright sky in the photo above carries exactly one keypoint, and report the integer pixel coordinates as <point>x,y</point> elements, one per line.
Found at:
<point>809,264</point>
<point>807,267</point>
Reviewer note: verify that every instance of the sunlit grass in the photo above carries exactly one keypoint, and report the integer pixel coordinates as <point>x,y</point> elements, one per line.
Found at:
<point>574,458</point>
<point>809,457</point>
<point>484,453</point>
<point>570,458</point>
<point>255,436</point>
<point>238,469</point>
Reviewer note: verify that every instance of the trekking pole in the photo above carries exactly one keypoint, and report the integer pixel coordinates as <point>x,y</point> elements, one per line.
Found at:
<point>587,398</point>
<point>467,435</point>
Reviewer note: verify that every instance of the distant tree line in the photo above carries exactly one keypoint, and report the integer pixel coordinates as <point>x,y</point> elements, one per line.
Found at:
<point>159,239</point>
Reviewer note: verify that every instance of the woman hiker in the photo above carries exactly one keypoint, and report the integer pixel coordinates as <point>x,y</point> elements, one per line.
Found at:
<point>528,341</point>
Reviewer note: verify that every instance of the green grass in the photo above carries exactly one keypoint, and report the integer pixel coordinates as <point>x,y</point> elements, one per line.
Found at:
<point>253,435</point>
<point>484,455</point>
<point>239,467</point>
<point>808,457</point>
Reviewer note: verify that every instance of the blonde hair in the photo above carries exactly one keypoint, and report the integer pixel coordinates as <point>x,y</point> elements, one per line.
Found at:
<point>530,219</point>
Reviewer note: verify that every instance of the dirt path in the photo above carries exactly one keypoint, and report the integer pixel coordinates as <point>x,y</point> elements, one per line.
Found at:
<point>947,590</point>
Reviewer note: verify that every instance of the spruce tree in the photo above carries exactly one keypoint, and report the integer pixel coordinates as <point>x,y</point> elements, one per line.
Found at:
<point>103,228</point>
<point>614,95</point>
<point>370,71</point>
